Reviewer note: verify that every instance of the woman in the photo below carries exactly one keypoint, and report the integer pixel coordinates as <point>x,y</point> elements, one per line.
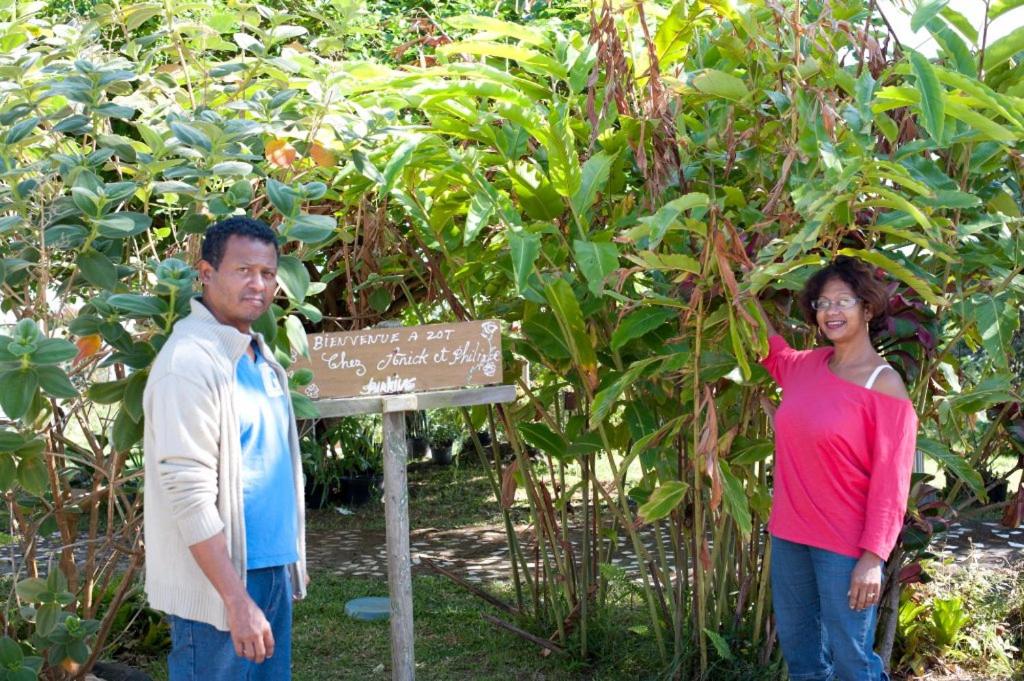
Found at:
<point>844,448</point>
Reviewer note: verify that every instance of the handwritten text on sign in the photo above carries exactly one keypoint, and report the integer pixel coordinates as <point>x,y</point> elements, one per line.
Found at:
<point>402,359</point>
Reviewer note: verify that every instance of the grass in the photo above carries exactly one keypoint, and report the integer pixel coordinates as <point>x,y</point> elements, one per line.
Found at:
<point>452,641</point>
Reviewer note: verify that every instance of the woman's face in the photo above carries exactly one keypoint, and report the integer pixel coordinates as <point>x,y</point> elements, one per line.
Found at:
<point>841,321</point>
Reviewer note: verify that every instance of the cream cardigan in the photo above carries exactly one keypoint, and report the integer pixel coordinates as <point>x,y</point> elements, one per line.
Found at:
<point>193,484</point>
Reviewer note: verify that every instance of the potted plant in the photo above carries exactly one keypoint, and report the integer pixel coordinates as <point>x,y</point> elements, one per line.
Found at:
<point>321,478</point>
<point>445,429</point>
<point>356,446</point>
<point>416,434</point>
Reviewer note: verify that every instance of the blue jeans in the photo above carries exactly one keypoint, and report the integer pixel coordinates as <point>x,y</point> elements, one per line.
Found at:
<point>201,652</point>
<point>822,638</point>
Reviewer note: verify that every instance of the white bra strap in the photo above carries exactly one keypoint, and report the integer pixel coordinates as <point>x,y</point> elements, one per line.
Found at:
<point>874,375</point>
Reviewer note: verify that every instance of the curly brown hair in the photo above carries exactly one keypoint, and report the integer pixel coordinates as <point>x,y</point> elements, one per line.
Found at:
<point>860,277</point>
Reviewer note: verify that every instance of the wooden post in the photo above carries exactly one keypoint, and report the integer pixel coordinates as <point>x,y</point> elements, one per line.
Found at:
<point>396,512</point>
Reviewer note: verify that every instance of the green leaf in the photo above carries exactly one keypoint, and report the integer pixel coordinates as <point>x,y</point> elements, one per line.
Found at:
<point>668,215</point>
<point>961,23</point>
<point>296,335</point>
<point>1000,7</point>
<point>380,299</point>
<point>133,395</point>
<point>933,102</point>
<point>366,167</point>
<point>490,25</point>
<point>997,319</point>
<point>527,58</point>
<point>545,335</point>
<point>293,276</point>
<point>46,618</point>
<point>640,322</point>
<point>286,32</point>
<point>481,208</point>
<point>33,476</point>
<point>97,269</point>
<point>736,500</point>
<point>125,431</point>
<point>720,84</point>
<point>8,472</point>
<point>1003,49</point>
<point>566,309</point>
<point>606,398</point>
<point>31,590</point>
<point>992,390</point>
<point>232,169</point>
<point>191,136</point>
<point>10,440</point>
<point>311,229</point>
<point>901,272</point>
<point>525,247</point>
<point>595,177</point>
<point>283,197</point>
<point>597,261</point>
<point>544,439</point>
<point>86,201</point>
<point>135,16</point>
<point>303,406</point>
<point>139,306</point>
<point>954,463</point>
<point>563,161</point>
<point>663,501</point>
<point>398,161</point>
<point>739,351</point>
<point>249,44</point>
<point>17,390</point>
<point>123,225</point>
<point>720,644</point>
<point>55,382</point>
<point>20,131</point>
<point>53,351</point>
<point>924,13</point>
<point>746,451</point>
<point>10,652</point>
<point>109,392</point>
<point>980,122</point>
<point>954,45</point>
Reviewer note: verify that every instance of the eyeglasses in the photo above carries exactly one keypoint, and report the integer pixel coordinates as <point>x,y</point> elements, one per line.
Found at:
<point>844,303</point>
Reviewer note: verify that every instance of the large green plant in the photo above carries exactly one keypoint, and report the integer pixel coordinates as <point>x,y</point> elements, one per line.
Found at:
<point>635,186</point>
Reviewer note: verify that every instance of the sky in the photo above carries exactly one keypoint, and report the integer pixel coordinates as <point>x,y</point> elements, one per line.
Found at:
<point>973,11</point>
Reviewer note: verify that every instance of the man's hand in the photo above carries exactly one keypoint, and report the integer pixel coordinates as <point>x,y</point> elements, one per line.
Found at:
<point>866,582</point>
<point>250,630</point>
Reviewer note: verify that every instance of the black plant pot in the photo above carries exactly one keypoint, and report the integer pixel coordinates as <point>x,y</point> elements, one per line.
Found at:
<point>441,453</point>
<point>356,490</point>
<point>318,494</point>
<point>997,493</point>
<point>418,447</point>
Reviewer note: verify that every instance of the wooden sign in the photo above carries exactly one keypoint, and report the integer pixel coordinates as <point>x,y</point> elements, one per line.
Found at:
<point>402,359</point>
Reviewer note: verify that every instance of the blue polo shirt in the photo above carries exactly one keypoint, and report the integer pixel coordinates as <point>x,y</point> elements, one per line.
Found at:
<point>268,485</point>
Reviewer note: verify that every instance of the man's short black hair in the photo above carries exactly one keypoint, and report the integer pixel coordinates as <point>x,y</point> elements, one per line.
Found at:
<point>217,235</point>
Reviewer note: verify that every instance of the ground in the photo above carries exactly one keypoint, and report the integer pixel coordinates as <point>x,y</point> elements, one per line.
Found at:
<point>456,523</point>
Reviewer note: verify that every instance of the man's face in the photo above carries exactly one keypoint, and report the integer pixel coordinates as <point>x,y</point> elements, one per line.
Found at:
<point>242,288</point>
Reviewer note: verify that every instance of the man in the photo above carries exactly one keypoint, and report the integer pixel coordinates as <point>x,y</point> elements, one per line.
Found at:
<point>224,522</point>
